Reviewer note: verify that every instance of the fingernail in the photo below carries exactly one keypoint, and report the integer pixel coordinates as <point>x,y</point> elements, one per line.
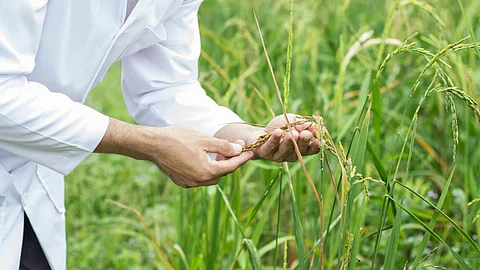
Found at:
<point>237,148</point>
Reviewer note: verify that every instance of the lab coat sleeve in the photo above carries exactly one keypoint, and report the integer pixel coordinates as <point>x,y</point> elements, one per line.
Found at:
<point>160,82</point>
<point>45,127</point>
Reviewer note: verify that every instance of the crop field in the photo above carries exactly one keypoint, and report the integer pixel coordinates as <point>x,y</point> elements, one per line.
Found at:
<point>396,83</point>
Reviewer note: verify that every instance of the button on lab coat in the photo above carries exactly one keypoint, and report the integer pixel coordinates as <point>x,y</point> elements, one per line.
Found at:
<point>52,53</point>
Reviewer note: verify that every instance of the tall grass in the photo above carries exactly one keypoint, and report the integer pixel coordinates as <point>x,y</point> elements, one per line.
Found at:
<point>403,193</point>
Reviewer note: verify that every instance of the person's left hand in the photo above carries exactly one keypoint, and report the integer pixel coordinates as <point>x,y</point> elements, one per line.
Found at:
<point>279,147</point>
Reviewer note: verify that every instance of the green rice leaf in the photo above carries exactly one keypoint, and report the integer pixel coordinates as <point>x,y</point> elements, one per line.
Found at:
<point>262,199</point>
<point>433,220</point>
<point>464,234</point>
<point>253,254</point>
<point>435,235</point>
<point>297,224</point>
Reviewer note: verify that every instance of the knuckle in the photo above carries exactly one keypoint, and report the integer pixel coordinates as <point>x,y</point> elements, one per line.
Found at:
<point>205,175</point>
<point>292,159</point>
<point>225,146</point>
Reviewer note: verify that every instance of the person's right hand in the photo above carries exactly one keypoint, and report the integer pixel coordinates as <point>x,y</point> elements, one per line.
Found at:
<point>182,154</point>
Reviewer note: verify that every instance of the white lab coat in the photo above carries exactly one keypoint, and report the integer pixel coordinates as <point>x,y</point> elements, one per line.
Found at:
<point>52,53</point>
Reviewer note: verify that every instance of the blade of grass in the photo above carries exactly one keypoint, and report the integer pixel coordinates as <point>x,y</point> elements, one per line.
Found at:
<point>274,244</point>
<point>433,220</point>
<point>252,251</point>
<point>469,25</point>
<point>182,256</point>
<point>297,223</point>
<point>279,206</point>
<point>253,254</point>
<point>395,235</point>
<point>391,253</point>
<point>262,199</point>
<point>214,235</point>
<point>435,235</point>
<point>376,161</point>
<point>438,210</point>
<point>358,158</point>
<point>230,210</point>
<point>381,170</point>
<point>377,113</point>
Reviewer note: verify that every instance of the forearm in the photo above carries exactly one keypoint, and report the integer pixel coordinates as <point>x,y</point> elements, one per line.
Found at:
<point>129,140</point>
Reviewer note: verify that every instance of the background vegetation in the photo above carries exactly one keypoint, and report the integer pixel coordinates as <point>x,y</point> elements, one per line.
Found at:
<point>335,57</point>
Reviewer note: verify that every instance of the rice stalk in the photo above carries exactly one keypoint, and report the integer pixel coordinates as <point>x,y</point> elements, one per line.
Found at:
<point>286,79</point>
<point>426,7</point>
<point>405,46</point>
<point>434,59</point>
<point>347,249</point>
<point>297,151</point>
<point>468,100</point>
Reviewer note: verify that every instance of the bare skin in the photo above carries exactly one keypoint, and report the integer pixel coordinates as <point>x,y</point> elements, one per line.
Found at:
<point>181,152</point>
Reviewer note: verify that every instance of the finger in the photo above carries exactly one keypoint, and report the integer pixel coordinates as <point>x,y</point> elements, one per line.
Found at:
<point>271,146</point>
<point>304,142</point>
<point>314,147</point>
<point>224,167</point>
<point>292,158</point>
<point>222,147</point>
<point>279,122</point>
<point>304,126</point>
<point>286,147</point>
<point>222,157</point>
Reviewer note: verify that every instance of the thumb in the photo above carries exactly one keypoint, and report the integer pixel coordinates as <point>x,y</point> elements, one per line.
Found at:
<point>218,157</point>
<point>223,147</point>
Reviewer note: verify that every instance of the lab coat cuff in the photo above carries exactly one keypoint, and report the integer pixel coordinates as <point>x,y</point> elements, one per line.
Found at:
<point>96,125</point>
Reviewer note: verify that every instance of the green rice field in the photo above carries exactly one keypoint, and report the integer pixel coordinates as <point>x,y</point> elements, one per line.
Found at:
<point>397,84</point>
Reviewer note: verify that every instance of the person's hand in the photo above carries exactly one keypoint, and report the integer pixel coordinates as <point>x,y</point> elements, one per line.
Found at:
<point>279,147</point>
<point>182,153</point>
